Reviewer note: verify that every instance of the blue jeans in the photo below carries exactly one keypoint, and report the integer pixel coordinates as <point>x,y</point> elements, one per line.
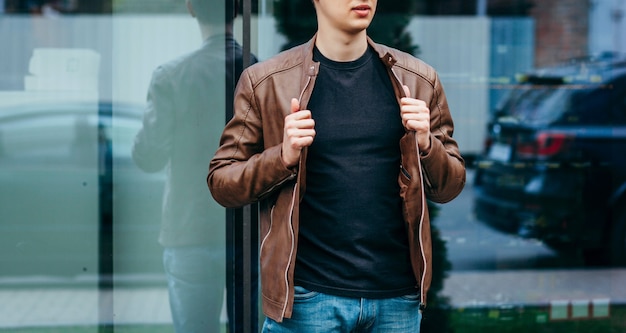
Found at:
<point>196,281</point>
<point>315,312</point>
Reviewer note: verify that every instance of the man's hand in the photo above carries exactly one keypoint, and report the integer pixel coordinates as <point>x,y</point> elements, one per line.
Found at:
<point>416,117</point>
<point>299,132</point>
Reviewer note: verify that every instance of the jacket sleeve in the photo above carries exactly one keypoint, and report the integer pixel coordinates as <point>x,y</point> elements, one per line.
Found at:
<point>153,143</point>
<point>443,167</point>
<point>243,170</point>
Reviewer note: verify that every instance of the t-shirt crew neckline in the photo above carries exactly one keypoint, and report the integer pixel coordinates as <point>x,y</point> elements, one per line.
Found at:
<point>342,65</point>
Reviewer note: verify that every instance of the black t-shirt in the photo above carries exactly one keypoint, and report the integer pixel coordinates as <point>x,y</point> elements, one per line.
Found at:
<point>352,237</point>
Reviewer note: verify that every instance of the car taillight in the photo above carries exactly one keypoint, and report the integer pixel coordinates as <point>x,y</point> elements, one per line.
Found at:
<point>487,144</point>
<point>545,144</point>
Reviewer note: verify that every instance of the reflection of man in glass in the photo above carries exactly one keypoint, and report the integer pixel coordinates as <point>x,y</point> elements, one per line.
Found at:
<point>187,100</point>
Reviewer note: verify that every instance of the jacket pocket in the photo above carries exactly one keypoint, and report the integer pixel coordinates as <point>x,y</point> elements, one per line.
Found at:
<point>406,175</point>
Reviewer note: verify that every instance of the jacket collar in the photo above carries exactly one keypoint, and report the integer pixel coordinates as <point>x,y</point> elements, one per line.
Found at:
<point>383,53</point>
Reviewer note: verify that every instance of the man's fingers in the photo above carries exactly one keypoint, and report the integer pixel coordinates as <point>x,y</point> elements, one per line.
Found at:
<point>295,105</point>
<point>407,92</point>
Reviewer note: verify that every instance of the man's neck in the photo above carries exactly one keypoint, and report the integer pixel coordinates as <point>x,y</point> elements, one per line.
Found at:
<point>341,47</point>
<point>211,30</point>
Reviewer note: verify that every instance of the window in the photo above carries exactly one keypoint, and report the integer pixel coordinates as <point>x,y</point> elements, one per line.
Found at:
<point>110,112</point>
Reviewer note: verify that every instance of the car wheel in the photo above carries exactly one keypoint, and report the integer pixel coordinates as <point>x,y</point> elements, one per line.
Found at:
<point>571,255</point>
<point>618,238</point>
<point>559,245</point>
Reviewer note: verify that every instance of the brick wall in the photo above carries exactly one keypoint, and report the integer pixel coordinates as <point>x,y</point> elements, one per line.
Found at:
<point>561,30</point>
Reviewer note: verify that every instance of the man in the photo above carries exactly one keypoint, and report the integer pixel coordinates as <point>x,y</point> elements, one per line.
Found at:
<point>187,101</point>
<point>341,141</point>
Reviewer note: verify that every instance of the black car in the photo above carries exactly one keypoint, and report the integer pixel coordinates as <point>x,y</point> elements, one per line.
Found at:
<point>554,166</point>
<point>72,201</point>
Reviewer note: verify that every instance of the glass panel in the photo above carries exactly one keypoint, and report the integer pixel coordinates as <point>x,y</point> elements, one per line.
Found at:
<point>110,111</point>
<point>52,190</point>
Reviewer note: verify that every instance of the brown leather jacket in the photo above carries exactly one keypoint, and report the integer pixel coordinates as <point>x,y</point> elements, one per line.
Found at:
<point>248,168</point>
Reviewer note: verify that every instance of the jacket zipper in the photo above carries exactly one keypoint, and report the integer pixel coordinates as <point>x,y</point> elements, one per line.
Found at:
<point>280,183</point>
<point>293,203</point>
<point>308,81</point>
<point>423,210</point>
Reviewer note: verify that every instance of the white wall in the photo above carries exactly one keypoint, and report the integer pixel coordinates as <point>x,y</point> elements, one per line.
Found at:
<point>458,48</point>
<point>130,48</point>
<point>607,26</point>
<point>141,43</point>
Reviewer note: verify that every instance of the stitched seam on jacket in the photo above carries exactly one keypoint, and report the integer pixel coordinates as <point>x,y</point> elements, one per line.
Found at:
<point>243,129</point>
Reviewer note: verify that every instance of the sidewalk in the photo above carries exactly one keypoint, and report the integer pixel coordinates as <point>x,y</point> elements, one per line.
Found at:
<point>56,307</point>
<point>64,306</point>
<point>535,287</point>
<point>80,306</point>
<point>78,302</point>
